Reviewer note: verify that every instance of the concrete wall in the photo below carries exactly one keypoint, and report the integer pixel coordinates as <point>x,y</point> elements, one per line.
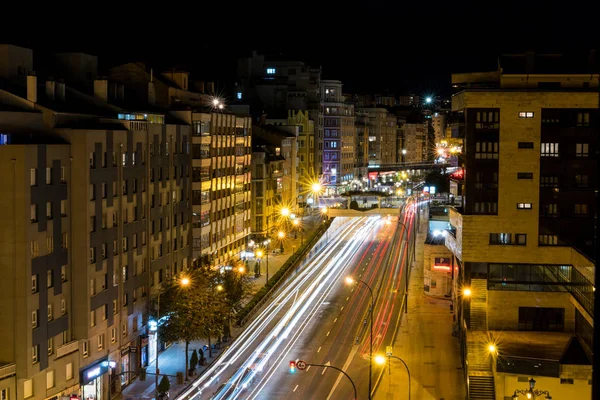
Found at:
<point>503,307</point>
<point>439,282</point>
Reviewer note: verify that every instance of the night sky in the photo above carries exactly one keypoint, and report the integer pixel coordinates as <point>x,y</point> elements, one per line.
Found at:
<point>373,46</point>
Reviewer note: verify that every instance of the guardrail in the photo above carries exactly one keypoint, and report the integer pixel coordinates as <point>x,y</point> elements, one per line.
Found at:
<point>280,276</point>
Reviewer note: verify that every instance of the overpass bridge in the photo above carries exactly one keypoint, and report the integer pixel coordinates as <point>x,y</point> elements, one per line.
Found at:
<point>382,212</point>
<point>407,165</point>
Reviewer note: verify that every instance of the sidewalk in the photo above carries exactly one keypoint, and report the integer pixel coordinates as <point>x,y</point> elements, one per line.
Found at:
<point>172,360</point>
<point>425,343</point>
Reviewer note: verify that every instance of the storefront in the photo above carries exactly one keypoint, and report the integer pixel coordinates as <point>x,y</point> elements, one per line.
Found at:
<point>144,354</point>
<point>91,379</point>
<point>125,365</point>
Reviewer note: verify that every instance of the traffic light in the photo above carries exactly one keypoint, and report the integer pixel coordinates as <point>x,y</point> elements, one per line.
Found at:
<point>292,366</point>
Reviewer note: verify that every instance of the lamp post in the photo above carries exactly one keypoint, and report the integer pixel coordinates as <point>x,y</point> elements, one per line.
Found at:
<point>381,361</point>
<point>281,236</point>
<point>531,392</point>
<point>337,369</point>
<point>351,281</point>
<point>259,254</point>
<point>296,224</point>
<point>316,189</point>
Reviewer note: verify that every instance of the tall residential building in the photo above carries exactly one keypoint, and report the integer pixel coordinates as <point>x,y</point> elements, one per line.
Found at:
<point>523,236</point>
<point>339,137</point>
<point>39,350</point>
<point>128,181</point>
<point>284,140</point>
<point>221,152</point>
<point>438,123</point>
<point>382,136</point>
<point>306,147</point>
<point>274,87</point>
<point>267,173</point>
<point>361,161</point>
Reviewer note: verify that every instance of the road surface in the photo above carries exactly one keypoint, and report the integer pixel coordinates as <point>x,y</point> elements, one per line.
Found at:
<point>317,318</point>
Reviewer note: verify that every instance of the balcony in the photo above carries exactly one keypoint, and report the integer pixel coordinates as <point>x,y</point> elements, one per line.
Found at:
<point>8,370</point>
<point>68,348</point>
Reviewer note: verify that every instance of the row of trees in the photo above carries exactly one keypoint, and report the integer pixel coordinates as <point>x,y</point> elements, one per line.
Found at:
<point>200,303</point>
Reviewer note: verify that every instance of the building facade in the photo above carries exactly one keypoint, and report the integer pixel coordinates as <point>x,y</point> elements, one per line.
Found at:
<point>522,237</point>
<point>339,136</point>
<point>127,178</point>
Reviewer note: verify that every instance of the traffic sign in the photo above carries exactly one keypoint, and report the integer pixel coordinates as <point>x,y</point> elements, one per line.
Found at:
<point>301,365</point>
<point>388,350</point>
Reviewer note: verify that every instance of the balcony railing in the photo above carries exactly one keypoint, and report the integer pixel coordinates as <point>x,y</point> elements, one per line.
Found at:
<point>8,370</point>
<point>528,366</point>
<point>67,348</point>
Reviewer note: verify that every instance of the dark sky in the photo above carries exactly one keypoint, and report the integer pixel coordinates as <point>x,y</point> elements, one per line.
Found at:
<point>371,46</point>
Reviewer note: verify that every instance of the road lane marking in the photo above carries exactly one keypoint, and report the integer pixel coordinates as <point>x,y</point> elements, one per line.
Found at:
<point>319,350</point>
<point>307,368</point>
<point>342,308</point>
<point>295,388</point>
<point>347,298</point>
<point>335,320</point>
<point>344,368</point>
<point>328,333</point>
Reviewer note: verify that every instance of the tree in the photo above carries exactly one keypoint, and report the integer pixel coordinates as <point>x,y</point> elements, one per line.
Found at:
<point>191,308</point>
<point>237,288</point>
<point>164,386</point>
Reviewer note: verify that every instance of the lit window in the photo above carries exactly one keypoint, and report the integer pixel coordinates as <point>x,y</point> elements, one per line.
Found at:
<point>239,95</point>
<point>271,71</point>
<point>525,114</point>
<point>581,149</point>
<point>524,206</point>
<point>549,149</point>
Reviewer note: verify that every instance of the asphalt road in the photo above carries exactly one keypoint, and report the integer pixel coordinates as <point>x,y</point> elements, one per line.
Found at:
<point>316,317</point>
<point>339,332</point>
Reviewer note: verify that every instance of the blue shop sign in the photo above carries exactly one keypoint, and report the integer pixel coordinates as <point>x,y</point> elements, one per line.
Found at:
<point>94,371</point>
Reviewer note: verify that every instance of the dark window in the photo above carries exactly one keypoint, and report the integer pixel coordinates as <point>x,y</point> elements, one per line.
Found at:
<point>549,181</point>
<point>549,85</point>
<point>524,175</point>
<point>500,238</point>
<point>541,319</point>
<point>581,181</point>
<point>526,145</point>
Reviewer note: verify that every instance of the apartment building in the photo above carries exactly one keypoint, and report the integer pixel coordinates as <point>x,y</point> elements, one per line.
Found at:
<point>284,141</point>
<point>128,183</point>
<point>339,137</point>
<point>274,87</point>
<point>221,192</point>
<point>361,161</point>
<point>40,355</point>
<point>522,238</point>
<point>221,152</point>
<point>382,136</point>
<point>267,174</point>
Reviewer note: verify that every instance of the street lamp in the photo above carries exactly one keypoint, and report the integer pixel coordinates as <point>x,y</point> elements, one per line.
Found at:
<point>296,224</point>
<point>259,255</point>
<point>281,236</point>
<point>532,392</point>
<point>380,359</point>
<point>466,292</point>
<point>285,212</point>
<point>351,281</point>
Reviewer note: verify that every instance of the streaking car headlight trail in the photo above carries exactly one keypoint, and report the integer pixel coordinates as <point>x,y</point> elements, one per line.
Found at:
<point>261,345</point>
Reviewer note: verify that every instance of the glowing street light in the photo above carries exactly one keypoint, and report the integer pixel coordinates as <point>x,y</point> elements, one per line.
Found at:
<point>219,288</point>
<point>492,348</point>
<point>241,270</point>
<point>259,254</point>
<point>440,151</point>
<point>185,281</point>
<point>285,212</point>
<point>316,187</point>
<point>467,292</point>
<point>215,102</point>
<point>428,100</point>
<point>281,235</point>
